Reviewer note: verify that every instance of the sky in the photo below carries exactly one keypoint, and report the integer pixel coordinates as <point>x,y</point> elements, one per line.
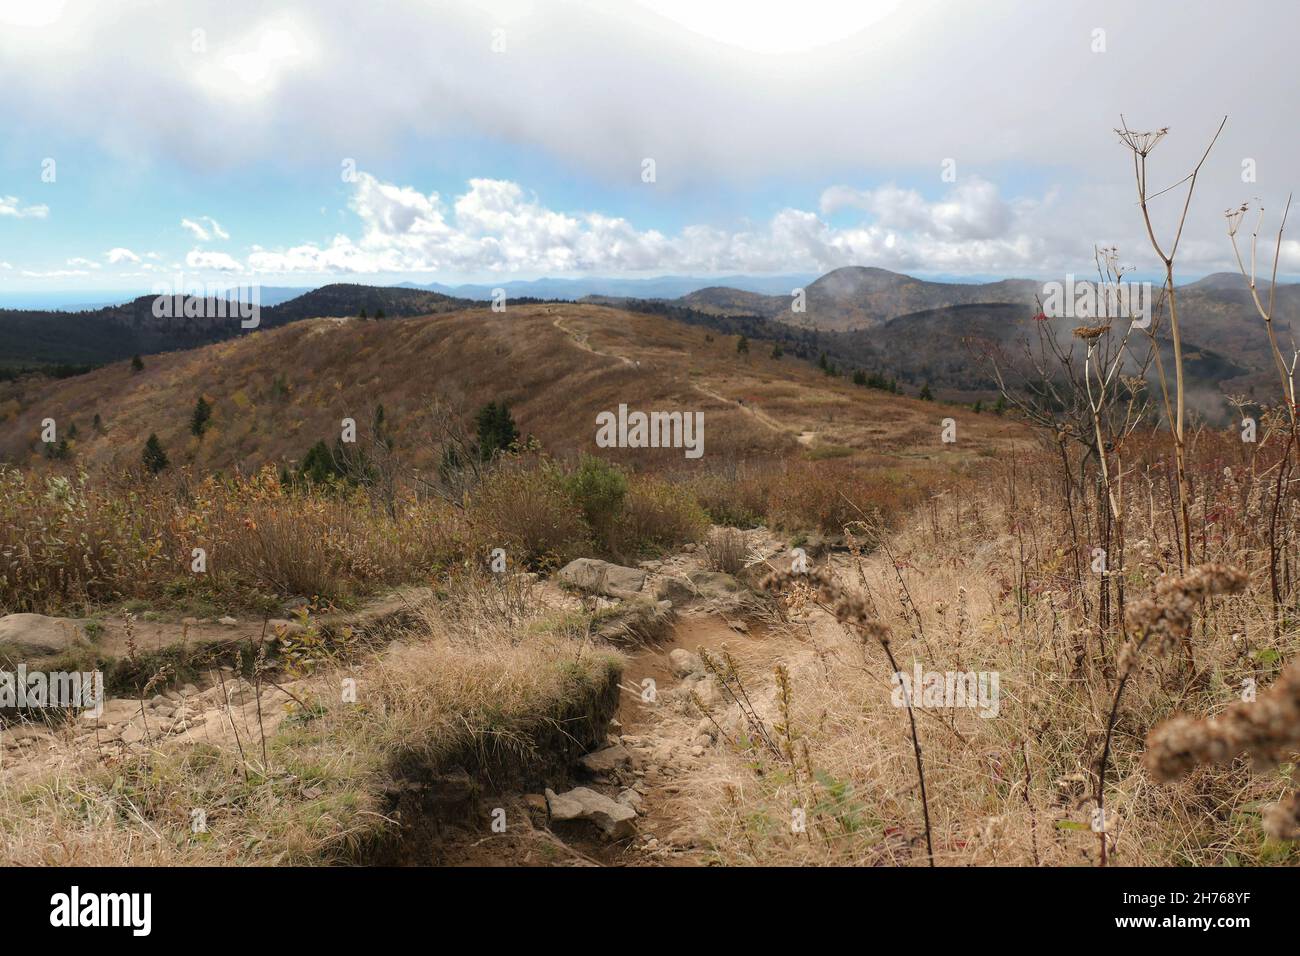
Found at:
<point>286,143</point>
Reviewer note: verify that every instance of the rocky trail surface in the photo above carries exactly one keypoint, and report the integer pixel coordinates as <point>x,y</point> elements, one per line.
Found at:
<point>621,804</point>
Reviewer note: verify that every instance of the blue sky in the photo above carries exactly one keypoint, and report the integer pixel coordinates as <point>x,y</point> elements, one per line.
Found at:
<point>506,139</point>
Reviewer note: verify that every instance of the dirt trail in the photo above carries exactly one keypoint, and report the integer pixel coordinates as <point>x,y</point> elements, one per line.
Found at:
<point>580,340</point>
<point>665,737</point>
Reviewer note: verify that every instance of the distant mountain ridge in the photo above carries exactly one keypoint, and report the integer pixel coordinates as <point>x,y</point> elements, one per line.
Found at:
<point>873,319</point>
<point>36,338</point>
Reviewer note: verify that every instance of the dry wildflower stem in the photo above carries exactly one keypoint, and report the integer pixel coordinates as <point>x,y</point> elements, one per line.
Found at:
<point>1167,617</point>
<point>853,612</point>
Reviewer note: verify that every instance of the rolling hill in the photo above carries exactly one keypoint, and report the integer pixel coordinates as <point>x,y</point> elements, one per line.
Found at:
<point>276,392</point>
<point>35,338</point>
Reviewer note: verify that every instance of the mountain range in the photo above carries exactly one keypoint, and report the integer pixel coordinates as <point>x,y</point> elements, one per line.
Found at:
<point>900,327</point>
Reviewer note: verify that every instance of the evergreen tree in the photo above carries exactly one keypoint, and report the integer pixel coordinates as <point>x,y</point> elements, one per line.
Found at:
<point>776,351</point>
<point>496,429</point>
<point>363,315</point>
<point>155,459</point>
<point>136,364</point>
<point>1001,405</point>
<point>379,314</point>
<point>742,346</point>
<point>318,466</point>
<point>926,395</point>
<point>201,417</point>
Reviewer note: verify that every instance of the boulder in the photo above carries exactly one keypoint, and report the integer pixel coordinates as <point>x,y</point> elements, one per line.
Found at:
<point>684,663</point>
<point>601,577</point>
<point>35,635</point>
<point>675,589</point>
<point>615,820</point>
<point>710,584</point>
<point>607,760</point>
<point>636,622</point>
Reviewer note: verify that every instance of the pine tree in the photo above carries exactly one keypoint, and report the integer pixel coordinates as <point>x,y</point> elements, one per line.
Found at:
<point>742,346</point>
<point>496,429</point>
<point>155,459</point>
<point>201,417</point>
<point>136,364</point>
<point>926,395</point>
<point>776,351</point>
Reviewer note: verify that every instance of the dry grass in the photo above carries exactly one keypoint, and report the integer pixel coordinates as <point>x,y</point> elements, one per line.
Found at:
<point>982,583</point>
<point>726,550</point>
<point>480,696</point>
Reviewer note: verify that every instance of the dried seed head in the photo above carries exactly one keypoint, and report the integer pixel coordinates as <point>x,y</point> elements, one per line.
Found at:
<point>1167,614</point>
<point>1267,729</point>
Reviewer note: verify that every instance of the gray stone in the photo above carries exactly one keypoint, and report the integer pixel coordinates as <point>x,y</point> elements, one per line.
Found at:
<point>615,820</point>
<point>684,663</point>
<point>607,760</point>
<point>714,583</point>
<point>601,577</point>
<point>675,589</point>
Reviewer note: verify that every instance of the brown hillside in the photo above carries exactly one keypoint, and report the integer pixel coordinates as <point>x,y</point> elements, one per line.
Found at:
<point>275,393</point>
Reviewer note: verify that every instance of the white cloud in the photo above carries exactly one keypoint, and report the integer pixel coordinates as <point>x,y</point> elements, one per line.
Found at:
<point>83,263</point>
<point>10,206</point>
<point>202,232</point>
<point>496,227</point>
<point>219,261</point>
<point>119,254</point>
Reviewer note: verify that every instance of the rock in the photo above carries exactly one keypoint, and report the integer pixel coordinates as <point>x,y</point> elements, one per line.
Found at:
<point>189,690</point>
<point>675,589</point>
<point>690,547</point>
<point>536,803</point>
<point>819,545</point>
<point>714,583</point>
<point>684,663</point>
<point>227,621</point>
<point>630,798</point>
<point>158,700</point>
<point>601,577</point>
<point>607,760</point>
<point>636,622</point>
<point>615,820</point>
<point>132,734</point>
<point>35,635</point>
